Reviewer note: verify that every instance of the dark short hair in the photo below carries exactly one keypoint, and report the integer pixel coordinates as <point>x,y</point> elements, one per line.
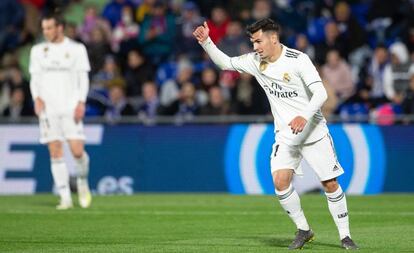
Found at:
<point>59,20</point>
<point>265,25</point>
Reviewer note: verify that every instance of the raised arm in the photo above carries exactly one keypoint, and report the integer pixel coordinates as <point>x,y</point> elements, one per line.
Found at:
<point>222,60</point>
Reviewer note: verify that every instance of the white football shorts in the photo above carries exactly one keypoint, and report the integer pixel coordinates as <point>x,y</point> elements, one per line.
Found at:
<point>60,128</point>
<point>320,155</point>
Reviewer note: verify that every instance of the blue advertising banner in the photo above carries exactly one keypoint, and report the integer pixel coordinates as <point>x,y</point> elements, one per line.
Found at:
<point>206,158</point>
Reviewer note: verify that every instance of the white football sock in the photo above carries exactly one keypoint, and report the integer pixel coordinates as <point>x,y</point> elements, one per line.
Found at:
<point>82,166</point>
<point>289,200</point>
<point>339,211</point>
<point>60,175</point>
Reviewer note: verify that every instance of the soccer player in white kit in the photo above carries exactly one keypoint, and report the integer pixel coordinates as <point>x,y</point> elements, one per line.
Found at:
<point>295,93</point>
<point>59,85</point>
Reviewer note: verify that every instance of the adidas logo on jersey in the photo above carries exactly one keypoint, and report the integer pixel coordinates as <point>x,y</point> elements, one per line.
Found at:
<point>335,168</point>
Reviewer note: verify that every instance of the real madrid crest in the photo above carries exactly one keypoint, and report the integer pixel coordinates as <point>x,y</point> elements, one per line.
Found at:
<point>263,65</point>
<point>45,50</point>
<point>286,78</point>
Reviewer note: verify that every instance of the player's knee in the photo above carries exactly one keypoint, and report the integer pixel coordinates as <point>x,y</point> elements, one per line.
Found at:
<point>77,154</point>
<point>281,182</point>
<point>330,185</point>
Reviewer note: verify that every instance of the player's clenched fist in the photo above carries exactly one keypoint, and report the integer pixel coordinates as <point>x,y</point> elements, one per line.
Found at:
<point>201,32</point>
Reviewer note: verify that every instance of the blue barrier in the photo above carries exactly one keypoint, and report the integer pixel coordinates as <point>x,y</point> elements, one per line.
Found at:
<point>205,158</point>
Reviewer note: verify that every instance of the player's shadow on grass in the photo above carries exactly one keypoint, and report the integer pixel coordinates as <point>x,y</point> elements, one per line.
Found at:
<point>284,242</point>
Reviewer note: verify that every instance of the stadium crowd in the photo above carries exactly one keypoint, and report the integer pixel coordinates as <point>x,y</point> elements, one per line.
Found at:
<point>145,61</point>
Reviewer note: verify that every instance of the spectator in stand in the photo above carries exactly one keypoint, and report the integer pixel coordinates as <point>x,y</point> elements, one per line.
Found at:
<point>157,33</point>
<point>170,90</point>
<point>216,105</point>
<point>98,48</point>
<point>400,64</point>
<point>235,41</point>
<point>248,97</point>
<point>302,44</point>
<point>218,23</point>
<point>108,74</point>
<point>338,75</point>
<point>125,30</point>
<point>11,24</point>
<point>118,105</point>
<point>350,30</point>
<point>382,85</point>
<point>209,79</point>
<point>91,22</point>
<point>144,9</point>
<point>186,23</point>
<point>408,101</point>
<point>149,107</point>
<point>261,9</point>
<point>138,71</point>
<point>113,11</point>
<point>19,106</point>
<point>185,107</point>
<point>332,41</point>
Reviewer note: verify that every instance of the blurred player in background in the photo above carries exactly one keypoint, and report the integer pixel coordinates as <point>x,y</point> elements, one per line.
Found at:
<point>295,93</point>
<point>59,85</point>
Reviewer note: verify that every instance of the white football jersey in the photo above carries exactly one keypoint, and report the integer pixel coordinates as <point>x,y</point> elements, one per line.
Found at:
<point>57,67</point>
<point>287,84</point>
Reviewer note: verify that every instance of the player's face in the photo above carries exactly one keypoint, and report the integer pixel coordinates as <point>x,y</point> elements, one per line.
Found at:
<point>264,43</point>
<point>51,31</point>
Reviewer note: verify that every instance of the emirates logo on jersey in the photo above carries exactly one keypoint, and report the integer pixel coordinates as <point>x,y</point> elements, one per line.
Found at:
<point>286,78</point>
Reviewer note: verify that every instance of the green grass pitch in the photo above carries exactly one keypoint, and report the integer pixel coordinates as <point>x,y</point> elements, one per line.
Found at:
<point>198,223</point>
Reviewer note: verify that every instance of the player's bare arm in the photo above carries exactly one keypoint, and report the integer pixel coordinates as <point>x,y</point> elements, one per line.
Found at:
<point>39,106</point>
<point>201,33</point>
<point>79,111</point>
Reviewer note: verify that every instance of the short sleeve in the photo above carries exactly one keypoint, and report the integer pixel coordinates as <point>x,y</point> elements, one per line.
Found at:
<point>82,61</point>
<point>307,71</point>
<point>244,63</point>
<point>34,63</point>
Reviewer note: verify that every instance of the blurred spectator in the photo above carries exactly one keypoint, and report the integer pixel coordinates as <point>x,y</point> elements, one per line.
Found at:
<point>408,101</point>
<point>302,44</point>
<point>149,107</point>
<point>18,106</point>
<point>108,74</point>
<point>11,24</point>
<point>248,98</point>
<point>117,105</point>
<point>91,22</point>
<point>137,72</point>
<point>337,74</point>
<point>171,88</point>
<point>235,42</point>
<point>186,23</point>
<point>157,33</point>
<point>400,63</point>
<point>98,48</point>
<point>216,105</point>
<point>382,89</point>
<point>261,9</point>
<point>144,9</point>
<point>71,32</point>
<point>349,29</point>
<point>113,11</point>
<point>185,107</point>
<point>209,79</point>
<point>331,104</point>
<point>332,41</point>
<point>218,23</point>
<point>125,29</point>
